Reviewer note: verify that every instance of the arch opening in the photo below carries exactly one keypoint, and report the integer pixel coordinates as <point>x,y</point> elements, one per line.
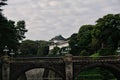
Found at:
<point>19,69</point>
<point>98,72</point>
<point>39,74</point>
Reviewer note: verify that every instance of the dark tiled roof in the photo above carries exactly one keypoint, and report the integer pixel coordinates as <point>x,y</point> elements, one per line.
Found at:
<point>58,38</point>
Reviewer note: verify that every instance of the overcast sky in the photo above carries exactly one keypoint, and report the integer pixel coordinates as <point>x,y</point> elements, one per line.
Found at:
<point>48,18</point>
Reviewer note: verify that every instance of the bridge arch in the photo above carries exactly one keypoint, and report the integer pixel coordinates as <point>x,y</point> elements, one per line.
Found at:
<point>20,69</point>
<point>113,68</point>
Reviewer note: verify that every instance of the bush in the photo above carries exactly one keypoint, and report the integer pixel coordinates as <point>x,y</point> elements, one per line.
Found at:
<point>106,51</point>
<point>84,53</point>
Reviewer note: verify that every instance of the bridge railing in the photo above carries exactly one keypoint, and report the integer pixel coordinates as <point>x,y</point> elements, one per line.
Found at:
<point>37,59</point>
<point>100,57</point>
<point>61,59</point>
<point>96,59</point>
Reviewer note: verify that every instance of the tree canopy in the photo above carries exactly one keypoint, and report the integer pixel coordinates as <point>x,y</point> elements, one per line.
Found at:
<point>10,34</point>
<point>107,32</point>
<point>38,48</point>
<point>103,37</point>
<point>2,3</point>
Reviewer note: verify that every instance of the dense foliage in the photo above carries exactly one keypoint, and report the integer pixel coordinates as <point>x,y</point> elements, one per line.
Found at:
<point>107,34</point>
<point>102,38</point>
<point>10,34</point>
<point>30,47</point>
<point>2,3</point>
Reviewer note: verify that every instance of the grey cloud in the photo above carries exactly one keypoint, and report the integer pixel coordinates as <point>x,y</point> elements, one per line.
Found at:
<point>48,18</point>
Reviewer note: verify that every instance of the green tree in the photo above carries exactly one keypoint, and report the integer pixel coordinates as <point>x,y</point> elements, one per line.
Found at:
<point>36,48</point>
<point>43,51</point>
<point>28,47</point>
<point>85,39</point>
<point>54,51</point>
<point>81,42</point>
<point>10,34</point>
<point>107,33</point>
<point>20,27</point>
<point>43,48</point>
<point>73,43</point>
<point>2,3</point>
<point>84,34</point>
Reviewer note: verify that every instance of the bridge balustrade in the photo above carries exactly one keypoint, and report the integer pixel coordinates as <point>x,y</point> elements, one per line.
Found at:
<point>37,59</point>
<point>80,59</point>
<point>83,59</point>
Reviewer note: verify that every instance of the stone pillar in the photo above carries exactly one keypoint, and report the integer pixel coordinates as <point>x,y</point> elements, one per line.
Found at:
<point>68,66</point>
<point>45,74</point>
<point>5,68</point>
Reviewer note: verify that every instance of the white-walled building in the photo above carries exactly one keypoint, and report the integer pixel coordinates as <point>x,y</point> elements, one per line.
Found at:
<point>60,45</point>
<point>58,41</point>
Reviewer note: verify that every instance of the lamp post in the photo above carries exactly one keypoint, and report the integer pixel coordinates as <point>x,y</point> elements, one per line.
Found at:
<point>12,53</point>
<point>6,64</point>
<point>5,50</point>
<point>19,52</point>
<point>66,51</point>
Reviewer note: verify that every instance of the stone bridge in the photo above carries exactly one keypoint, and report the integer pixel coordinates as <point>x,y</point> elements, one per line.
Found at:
<point>67,67</point>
